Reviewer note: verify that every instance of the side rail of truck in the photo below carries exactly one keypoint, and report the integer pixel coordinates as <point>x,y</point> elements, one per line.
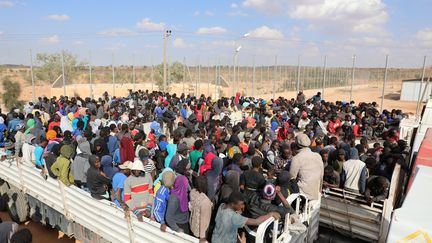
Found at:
<point>305,231</point>
<point>73,210</point>
<point>349,214</point>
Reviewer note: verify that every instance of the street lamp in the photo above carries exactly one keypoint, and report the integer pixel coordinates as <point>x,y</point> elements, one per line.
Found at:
<point>167,33</point>
<point>236,51</point>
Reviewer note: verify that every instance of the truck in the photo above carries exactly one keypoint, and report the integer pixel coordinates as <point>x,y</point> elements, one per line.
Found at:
<point>26,194</point>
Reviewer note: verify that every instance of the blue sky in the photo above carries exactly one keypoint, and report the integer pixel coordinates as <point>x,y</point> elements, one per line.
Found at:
<point>208,31</point>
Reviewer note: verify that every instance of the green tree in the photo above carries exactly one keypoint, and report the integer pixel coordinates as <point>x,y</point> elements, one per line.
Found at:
<point>12,91</point>
<point>175,74</point>
<point>50,66</point>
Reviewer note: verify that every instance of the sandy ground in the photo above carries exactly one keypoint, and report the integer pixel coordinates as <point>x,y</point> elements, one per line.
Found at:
<point>41,234</point>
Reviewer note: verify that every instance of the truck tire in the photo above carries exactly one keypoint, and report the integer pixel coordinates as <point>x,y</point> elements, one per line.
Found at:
<point>3,195</point>
<point>18,208</point>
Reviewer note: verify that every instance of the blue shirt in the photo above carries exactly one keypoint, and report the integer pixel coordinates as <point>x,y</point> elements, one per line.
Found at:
<point>112,144</point>
<point>118,183</point>
<point>160,204</point>
<point>159,112</point>
<point>38,156</point>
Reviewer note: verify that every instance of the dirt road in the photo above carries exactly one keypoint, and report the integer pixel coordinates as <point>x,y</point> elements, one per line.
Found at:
<point>41,233</point>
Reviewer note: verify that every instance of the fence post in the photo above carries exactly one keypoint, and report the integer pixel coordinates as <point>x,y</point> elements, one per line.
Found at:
<point>184,73</point>
<point>32,76</point>
<point>298,74</point>
<point>274,79</point>
<point>324,76</point>
<point>253,77</point>
<point>133,72</point>
<point>353,76</point>
<point>208,77</point>
<point>421,84</point>
<point>113,74</point>
<point>90,76</point>
<point>384,84</point>
<point>63,74</point>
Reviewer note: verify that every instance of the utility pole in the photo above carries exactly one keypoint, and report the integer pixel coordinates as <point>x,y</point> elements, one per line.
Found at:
<point>167,33</point>
<point>184,73</point>
<point>421,84</point>
<point>253,77</point>
<point>274,78</point>
<point>32,76</point>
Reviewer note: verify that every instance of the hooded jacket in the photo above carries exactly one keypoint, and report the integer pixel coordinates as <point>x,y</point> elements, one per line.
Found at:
<point>81,162</point>
<point>62,166</point>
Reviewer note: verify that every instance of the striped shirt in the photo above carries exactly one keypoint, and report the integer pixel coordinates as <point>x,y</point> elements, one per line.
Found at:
<point>138,191</point>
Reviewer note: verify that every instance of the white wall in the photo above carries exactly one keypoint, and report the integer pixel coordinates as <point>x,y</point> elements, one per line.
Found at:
<point>410,91</point>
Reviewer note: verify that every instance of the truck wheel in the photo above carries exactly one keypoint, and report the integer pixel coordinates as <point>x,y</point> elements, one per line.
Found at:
<point>3,195</point>
<point>18,208</point>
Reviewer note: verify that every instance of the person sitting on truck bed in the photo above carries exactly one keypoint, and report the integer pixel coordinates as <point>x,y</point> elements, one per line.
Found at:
<point>377,189</point>
<point>97,181</point>
<point>229,219</point>
<point>331,177</point>
<point>138,191</point>
<point>62,166</point>
<point>354,173</point>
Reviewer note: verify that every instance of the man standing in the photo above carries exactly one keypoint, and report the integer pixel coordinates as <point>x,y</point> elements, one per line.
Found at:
<point>307,168</point>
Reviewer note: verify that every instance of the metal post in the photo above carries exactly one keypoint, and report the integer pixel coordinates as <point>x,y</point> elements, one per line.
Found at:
<point>384,84</point>
<point>63,74</point>
<point>113,74</point>
<point>197,81</point>
<point>90,77</point>
<point>32,76</point>
<point>274,78</point>
<point>184,73</point>
<point>298,74</point>
<point>152,73</point>
<point>324,76</point>
<point>253,77</point>
<point>234,73</point>
<point>421,84</point>
<point>353,76</point>
<point>167,33</point>
<point>133,72</point>
<point>208,77</point>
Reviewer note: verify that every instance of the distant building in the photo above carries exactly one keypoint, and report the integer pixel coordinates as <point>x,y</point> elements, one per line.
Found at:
<point>411,89</point>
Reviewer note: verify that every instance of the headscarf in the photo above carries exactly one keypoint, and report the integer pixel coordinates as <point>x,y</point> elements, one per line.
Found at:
<point>30,124</point>
<point>213,177</point>
<point>181,167</point>
<point>354,153</point>
<point>171,149</point>
<point>180,190</point>
<point>167,169</point>
<point>155,126</point>
<point>51,134</point>
<point>107,166</point>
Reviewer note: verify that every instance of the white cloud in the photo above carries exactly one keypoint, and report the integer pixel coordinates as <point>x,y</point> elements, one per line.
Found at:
<point>216,30</point>
<point>115,47</point>
<point>265,32</point>
<point>117,32</point>
<point>180,43</point>
<point>6,4</point>
<point>50,40</point>
<point>209,13</point>
<point>237,13</point>
<point>234,5</point>
<point>424,36</point>
<point>146,24</point>
<point>78,43</point>
<point>356,16</point>
<point>57,17</point>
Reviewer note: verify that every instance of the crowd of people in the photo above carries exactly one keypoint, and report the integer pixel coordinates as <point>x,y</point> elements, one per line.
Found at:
<point>207,167</point>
